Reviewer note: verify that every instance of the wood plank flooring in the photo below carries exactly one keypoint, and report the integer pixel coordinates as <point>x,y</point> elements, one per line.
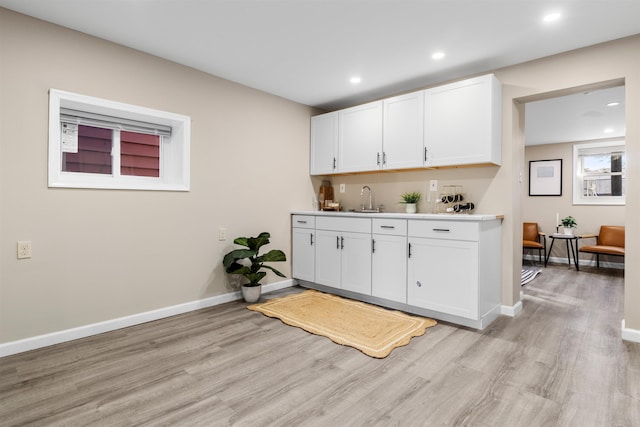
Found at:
<point>561,362</point>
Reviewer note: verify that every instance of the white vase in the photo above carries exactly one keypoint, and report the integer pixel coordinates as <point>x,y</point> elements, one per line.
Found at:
<point>251,293</point>
<point>411,208</point>
<point>568,230</point>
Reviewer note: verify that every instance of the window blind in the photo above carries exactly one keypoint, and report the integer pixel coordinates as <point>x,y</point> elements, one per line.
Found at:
<point>68,115</point>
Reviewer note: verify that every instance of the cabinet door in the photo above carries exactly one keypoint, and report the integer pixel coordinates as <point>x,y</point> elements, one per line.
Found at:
<point>403,139</point>
<point>442,275</point>
<point>462,122</point>
<point>303,248</point>
<point>360,140</point>
<point>328,258</point>
<point>356,262</point>
<point>324,144</point>
<point>389,267</point>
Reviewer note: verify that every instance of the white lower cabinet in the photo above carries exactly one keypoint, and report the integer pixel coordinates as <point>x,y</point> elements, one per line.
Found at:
<point>304,254</point>
<point>303,247</point>
<point>442,276</point>
<point>389,260</point>
<point>442,268</point>
<point>343,258</point>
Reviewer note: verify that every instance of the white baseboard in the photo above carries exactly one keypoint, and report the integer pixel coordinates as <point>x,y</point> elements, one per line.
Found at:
<point>581,262</point>
<point>511,311</point>
<point>630,334</point>
<point>32,343</point>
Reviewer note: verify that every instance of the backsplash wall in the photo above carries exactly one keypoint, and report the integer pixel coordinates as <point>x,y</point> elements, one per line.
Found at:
<point>388,186</point>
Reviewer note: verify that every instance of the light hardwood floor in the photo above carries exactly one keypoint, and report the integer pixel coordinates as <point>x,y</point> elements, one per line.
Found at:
<point>561,362</point>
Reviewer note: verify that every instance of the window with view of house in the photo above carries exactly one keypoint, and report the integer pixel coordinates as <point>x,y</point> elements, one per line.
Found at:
<point>95,143</point>
<point>600,173</point>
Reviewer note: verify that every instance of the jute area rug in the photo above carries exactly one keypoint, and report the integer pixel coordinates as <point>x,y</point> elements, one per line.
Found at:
<point>373,330</point>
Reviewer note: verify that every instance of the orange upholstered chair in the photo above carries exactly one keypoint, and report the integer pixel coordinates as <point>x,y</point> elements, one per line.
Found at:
<point>610,241</point>
<point>533,238</point>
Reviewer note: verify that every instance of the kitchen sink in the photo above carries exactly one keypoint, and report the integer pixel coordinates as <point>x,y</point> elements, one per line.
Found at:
<point>377,210</point>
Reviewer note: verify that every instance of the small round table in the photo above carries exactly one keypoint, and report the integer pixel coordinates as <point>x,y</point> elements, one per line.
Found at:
<point>570,239</point>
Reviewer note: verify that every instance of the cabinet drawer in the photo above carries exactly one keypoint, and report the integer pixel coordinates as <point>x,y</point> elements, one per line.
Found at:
<point>356,225</point>
<point>393,227</point>
<point>453,230</point>
<point>303,221</point>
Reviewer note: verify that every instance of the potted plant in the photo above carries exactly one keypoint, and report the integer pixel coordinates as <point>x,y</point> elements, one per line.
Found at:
<point>568,224</point>
<point>250,264</point>
<point>410,199</point>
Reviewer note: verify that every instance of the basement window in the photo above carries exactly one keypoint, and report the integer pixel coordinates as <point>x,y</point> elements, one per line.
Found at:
<point>600,173</point>
<point>96,143</point>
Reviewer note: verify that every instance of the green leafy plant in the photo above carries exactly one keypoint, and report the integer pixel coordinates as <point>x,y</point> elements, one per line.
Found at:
<point>410,197</point>
<point>248,262</point>
<point>569,222</point>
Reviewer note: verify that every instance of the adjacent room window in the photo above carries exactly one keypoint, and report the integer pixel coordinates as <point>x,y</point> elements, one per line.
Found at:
<point>600,173</point>
<point>95,143</point>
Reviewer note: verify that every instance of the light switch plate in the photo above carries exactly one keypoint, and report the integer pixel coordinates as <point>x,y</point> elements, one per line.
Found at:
<point>433,185</point>
<point>343,188</point>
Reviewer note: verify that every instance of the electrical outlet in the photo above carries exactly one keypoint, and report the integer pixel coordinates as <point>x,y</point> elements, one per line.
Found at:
<point>343,188</point>
<point>24,249</point>
<point>433,185</point>
<point>222,234</point>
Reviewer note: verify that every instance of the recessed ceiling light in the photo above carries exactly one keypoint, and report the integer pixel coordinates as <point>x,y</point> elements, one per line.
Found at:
<point>552,17</point>
<point>438,55</point>
<point>608,130</point>
<point>355,80</point>
<point>613,104</point>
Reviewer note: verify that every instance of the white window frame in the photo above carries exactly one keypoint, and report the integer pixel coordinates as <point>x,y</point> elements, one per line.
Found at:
<point>578,197</point>
<point>174,150</point>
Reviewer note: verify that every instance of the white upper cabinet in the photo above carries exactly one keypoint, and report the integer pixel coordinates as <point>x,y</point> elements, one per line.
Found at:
<point>451,125</point>
<point>463,123</point>
<point>324,144</point>
<point>360,140</point>
<point>403,141</point>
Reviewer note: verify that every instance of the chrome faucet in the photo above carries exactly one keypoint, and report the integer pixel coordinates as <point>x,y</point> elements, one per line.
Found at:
<point>366,187</point>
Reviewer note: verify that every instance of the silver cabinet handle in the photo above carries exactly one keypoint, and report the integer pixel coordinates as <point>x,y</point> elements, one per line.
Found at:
<point>301,222</point>
<point>341,242</point>
<point>418,284</point>
<point>378,159</point>
<point>442,229</point>
<point>334,162</point>
<point>373,246</point>
<point>311,239</point>
<point>409,250</point>
<point>384,158</point>
<point>388,226</point>
<point>425,154</point>
<point>337,242</point>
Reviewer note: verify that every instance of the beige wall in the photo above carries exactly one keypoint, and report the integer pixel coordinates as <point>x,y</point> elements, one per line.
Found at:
<point>98,255</point>
<point>543,209</point>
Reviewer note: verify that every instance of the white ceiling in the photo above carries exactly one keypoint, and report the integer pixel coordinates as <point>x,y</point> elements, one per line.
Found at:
<point>579,117</point>
<point>307,50</point>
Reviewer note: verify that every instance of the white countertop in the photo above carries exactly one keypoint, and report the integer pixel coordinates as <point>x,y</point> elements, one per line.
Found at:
<point>400,215</point>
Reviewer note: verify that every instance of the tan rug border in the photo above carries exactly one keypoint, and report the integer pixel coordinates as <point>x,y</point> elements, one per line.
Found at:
<point>415,328</point>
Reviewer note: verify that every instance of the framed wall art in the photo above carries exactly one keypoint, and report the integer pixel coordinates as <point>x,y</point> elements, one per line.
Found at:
<point>545,177</point>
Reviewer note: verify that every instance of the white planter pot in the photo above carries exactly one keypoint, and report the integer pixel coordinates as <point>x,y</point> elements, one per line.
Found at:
<point>411,208</point>
<point>568,230</point>
<point>251,293</point>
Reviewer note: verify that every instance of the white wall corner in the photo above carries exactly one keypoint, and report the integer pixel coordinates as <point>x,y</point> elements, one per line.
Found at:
<point>511,311</point>
<point>32,343</point>
<point>630,334</point>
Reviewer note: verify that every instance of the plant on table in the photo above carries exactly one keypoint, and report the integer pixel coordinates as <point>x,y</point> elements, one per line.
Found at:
<point>569,222</point>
